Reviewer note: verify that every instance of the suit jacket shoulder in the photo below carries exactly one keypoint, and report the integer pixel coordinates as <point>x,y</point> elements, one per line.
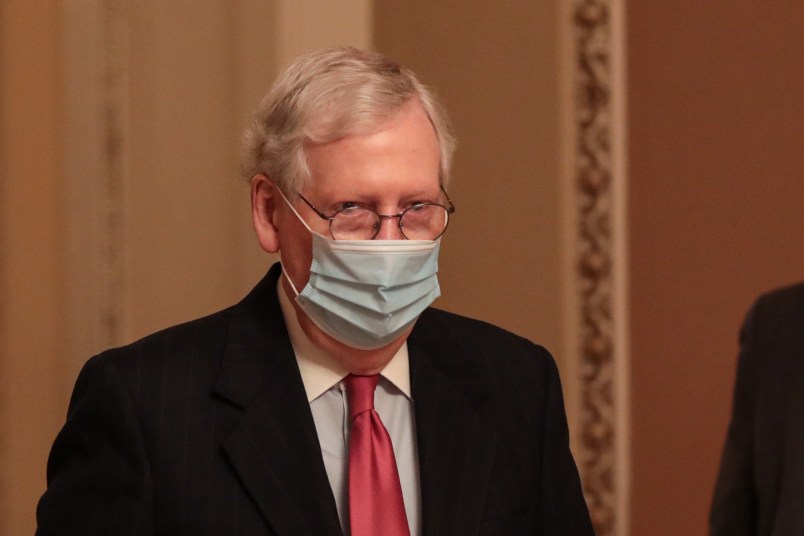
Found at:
<point>482,340</point>
<point>202,428</point>
<point>780,306</point>
<point>493,439</point>
<point>762,466</point>
<point>205,428</point>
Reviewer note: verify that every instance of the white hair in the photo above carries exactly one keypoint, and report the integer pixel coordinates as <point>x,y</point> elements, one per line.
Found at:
<point>324,96</point>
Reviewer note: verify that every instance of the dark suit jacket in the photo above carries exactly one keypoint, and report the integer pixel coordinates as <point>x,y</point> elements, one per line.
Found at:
<point>760,487</point>
<point>204,428</point>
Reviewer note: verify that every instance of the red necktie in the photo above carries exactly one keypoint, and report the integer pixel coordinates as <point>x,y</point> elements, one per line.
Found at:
<point>376,507</point>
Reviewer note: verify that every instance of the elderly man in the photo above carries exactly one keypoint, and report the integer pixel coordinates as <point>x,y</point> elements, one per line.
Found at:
<point>332,399</point>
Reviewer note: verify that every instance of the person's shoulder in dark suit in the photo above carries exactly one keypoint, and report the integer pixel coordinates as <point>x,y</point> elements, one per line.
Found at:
<point>142,418</point>
<point>503,360</point>
<point>773,311</point>
<point>516,383</point>
<point>146,423</point>
<point>761,463</point>
<point>125,401</point>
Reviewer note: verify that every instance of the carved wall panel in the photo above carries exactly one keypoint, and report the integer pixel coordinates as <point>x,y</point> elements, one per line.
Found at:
<point>601,263</point>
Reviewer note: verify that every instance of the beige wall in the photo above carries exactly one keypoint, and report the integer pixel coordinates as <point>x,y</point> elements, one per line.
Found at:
<point>496,66</point>
<point>716,190</point>
<point>31,254</point>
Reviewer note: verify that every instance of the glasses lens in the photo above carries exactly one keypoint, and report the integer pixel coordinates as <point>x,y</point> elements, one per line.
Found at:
<point>420,222</point>
<point>424,222</point>
<point>355,223</point>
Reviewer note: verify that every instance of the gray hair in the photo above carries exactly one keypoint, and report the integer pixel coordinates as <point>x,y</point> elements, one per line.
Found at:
<point>324,96</point>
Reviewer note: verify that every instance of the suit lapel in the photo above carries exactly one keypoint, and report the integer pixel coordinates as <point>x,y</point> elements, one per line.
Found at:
<point>274,447</point>
<point>455,442</point>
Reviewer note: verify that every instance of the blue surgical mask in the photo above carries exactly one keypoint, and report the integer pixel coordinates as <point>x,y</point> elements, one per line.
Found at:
<point>366,293</point>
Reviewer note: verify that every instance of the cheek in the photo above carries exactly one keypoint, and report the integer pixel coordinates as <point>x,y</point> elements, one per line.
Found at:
<point>304,258</point>
<point>296,254</point>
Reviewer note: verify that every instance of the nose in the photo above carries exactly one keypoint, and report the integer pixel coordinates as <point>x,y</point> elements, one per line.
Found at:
<point>389,229</point>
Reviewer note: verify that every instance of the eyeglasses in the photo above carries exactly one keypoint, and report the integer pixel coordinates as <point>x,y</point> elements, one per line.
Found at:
<point>421,221</point>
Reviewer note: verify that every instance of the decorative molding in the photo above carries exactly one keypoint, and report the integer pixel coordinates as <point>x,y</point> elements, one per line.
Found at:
<point>95,42</point>
<point>112,218</point>
<point>599,174</point>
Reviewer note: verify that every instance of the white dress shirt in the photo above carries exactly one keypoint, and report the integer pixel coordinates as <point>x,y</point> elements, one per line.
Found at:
<point>322,376</point>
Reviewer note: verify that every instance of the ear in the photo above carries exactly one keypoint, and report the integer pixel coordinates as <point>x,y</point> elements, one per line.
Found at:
<point>264,201</point>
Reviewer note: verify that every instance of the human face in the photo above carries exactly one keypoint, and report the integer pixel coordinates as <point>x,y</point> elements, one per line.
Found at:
<point>387,170</point>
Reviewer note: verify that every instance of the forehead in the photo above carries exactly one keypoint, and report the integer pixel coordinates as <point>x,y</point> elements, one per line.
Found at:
<point>399,157</point>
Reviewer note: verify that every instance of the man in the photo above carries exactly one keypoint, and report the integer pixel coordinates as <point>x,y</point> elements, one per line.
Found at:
<point>261,419</point>
<point>760,487</point>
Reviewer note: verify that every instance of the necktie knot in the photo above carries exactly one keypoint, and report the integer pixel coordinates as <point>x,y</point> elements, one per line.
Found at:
<point>360,393</point>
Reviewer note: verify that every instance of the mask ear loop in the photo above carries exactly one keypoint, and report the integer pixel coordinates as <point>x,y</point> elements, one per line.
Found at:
<point>287,277</point>
<point>293,209</point>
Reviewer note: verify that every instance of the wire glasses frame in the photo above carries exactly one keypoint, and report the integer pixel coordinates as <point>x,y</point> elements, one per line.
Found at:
<point>417,222</point>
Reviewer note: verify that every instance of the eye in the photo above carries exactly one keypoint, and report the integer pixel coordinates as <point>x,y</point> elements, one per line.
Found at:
<point>418,206</point>
<point>346,205</point>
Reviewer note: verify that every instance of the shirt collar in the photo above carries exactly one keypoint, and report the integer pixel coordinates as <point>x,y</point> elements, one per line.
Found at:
<point>319,370</point>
